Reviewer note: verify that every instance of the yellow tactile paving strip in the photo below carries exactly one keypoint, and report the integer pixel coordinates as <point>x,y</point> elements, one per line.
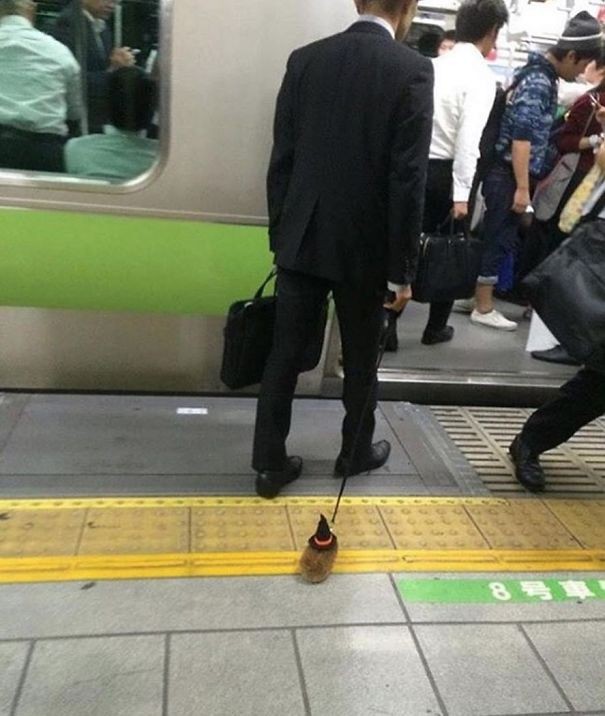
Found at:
<point>55,540</point>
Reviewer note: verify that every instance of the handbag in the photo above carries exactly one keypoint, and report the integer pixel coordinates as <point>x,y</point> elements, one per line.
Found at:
<point>568,290</point>
<point>448,266</point>
<point>248,338</point>
<point>550,191</point>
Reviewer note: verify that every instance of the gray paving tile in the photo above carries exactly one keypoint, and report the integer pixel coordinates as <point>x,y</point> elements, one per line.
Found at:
<point>575,653</point>
<point>124,435</point>
<point>247,674</point>
<point>487,670</point>
<point>12,661</point>
<point>96,677</point>
<point>365,670</point>
<point>39,610</point>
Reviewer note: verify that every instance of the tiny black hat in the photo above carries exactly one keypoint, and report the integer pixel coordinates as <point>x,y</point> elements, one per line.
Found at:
<point>582,32</point>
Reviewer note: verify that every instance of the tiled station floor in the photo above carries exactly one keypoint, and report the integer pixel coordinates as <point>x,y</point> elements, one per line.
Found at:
<point>454,592</point>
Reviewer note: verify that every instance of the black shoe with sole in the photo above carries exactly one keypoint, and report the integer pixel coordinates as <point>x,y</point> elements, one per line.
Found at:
<point>379,454</point>
<point>558,354</point>
<point>442,335</point>
<point>528,470</point>
<point>270,482</point>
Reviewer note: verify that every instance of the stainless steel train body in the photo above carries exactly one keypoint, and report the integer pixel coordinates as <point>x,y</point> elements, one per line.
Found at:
<point>112,288</point>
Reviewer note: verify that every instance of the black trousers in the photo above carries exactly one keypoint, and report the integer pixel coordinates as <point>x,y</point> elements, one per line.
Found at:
<point>437,209</point>
<point>579,402</point>
<point>299,301</point>
<point>31,151</point>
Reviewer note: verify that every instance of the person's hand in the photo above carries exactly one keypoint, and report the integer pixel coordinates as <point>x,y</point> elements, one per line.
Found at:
<point>460,210</point>
<point>401,299</point>
<point>521,201</point>
<point>600,158</point>
<point>121,57</point>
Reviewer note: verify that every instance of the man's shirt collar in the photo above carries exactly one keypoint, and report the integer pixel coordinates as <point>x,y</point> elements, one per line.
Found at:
<point>378,21</point>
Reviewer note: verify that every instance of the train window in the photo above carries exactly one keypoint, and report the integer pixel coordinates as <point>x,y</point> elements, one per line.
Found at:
<point>79,89</point>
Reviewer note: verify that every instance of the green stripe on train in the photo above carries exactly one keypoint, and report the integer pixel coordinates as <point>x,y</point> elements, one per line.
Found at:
<point>110,263</point>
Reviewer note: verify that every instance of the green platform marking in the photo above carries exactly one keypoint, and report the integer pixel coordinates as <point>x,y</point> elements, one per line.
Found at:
<point>500,591</point>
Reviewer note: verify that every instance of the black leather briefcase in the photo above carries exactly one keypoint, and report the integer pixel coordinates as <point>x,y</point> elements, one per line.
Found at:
<point>448,266</point>
<point>568,292</point>
<point>249,337</point>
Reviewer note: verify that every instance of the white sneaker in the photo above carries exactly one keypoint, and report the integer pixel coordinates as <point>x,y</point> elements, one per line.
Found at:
<point>493,319</point>
<point>464,305</point>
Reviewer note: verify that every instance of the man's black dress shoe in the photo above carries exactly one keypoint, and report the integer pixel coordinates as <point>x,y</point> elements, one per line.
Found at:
<point>270,482</point>
<point>379,454</point>
<point>431,336</point>
<point>558,354</point>
<point>528,470</point>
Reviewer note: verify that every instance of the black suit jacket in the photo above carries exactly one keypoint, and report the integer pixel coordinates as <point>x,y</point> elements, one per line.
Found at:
<point>347,175</point>
<point>97,58</point>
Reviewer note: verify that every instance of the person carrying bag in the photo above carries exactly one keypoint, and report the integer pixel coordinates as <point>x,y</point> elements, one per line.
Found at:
<point>568,289</point>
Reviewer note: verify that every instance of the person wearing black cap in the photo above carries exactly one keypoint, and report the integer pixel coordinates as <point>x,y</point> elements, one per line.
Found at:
<point>345,193</point>
<point>522,152</point>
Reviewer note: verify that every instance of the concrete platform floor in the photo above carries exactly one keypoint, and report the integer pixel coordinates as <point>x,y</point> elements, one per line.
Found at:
<point>355,646</point>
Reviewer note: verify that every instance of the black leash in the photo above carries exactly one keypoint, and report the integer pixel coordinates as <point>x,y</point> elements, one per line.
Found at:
<point>389,320</point>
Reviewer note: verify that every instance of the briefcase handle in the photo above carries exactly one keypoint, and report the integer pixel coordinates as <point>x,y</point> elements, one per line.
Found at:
<point>272,275</point>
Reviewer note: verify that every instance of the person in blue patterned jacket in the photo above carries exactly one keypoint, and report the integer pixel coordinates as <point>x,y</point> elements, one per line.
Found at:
<point>522,150</point>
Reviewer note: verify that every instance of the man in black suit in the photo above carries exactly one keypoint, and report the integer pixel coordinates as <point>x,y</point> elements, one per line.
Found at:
<point>84,27</point>
<point>345,191</point>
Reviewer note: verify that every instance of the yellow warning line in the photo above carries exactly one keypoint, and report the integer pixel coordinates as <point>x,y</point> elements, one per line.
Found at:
<point>55,569</point>
<point>135,538</point>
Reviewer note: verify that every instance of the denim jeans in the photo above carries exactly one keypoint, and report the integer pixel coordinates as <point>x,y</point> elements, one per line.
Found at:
<point>501,226</point>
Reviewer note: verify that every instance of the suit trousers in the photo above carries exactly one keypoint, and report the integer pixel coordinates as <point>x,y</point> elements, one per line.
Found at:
<point>437,209</point>
<point>300,298</point>
<point>579,402</point>
<point>31,151</point>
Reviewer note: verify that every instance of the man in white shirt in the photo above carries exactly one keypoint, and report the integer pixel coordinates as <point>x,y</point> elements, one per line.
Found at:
<point>464,93</point>
<point>40,92</point>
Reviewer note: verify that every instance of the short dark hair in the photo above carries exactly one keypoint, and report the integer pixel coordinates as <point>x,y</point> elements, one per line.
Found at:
<point>560,53</point>
<point>428,43</point>
<point>132,99</point>
<point>476,18</point>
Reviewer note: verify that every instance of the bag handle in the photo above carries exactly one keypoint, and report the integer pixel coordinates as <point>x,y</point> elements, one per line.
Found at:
<point>590,118</point>
<point>272,275</point>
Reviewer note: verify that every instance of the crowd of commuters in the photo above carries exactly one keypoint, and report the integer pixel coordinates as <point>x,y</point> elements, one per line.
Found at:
<point>72,101</point>
<point>414,127</point>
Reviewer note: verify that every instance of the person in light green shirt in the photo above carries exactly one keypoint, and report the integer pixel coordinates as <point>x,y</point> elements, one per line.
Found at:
<point>123,152</point>
<point>40,92</point>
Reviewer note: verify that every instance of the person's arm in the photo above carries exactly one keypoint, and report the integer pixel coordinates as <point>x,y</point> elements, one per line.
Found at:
<point>521,151</point>
<point>531,102</point>
<point>577,134</point>
<point>282,155</point>
<point>73,90</point>
<point>475,110</point>
<point>407,181</point>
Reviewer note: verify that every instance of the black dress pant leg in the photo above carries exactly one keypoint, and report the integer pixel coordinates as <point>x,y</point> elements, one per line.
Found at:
<point>578,402</point>
<point>437,209</point>
<point>300,299</point>
<point>360,316</point>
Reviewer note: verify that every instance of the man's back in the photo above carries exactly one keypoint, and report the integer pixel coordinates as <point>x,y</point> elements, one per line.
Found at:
<point>40,87</point>
<point>351,141</point>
